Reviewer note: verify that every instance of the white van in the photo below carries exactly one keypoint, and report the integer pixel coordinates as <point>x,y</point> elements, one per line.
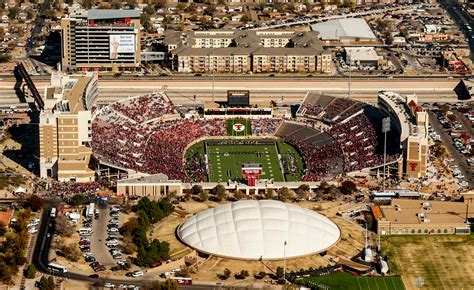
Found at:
<point>85,231</point>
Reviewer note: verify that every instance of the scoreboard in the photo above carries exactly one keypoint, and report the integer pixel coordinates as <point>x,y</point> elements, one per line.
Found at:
<point>239,98</point>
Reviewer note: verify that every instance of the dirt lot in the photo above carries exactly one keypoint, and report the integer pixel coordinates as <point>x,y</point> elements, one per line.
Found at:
<point>444,262</point>
<point>352,240</point>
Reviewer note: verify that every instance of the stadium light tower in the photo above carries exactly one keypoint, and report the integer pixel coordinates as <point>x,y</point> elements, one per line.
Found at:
<point>385,129</point>
<point>284,261</point>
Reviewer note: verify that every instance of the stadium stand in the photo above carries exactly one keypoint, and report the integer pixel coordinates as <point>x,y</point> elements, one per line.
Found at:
<point>146,134</point>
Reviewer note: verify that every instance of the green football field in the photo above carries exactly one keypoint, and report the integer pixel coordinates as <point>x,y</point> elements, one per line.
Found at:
<point>346,281</point>
<point>225,158</point>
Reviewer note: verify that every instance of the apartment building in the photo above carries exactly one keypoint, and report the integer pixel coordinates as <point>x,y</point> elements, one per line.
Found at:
<point>65,127</point>
<point>235,51</point>
<point>101,40</point>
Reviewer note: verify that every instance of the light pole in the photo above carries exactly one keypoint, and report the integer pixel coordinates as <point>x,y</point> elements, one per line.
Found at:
<point>385,129</point>
<point>284,261</point>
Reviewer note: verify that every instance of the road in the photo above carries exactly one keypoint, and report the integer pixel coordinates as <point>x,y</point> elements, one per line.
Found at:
<point>43,244</point>
<point>461,17</point>
<point>38,25</point>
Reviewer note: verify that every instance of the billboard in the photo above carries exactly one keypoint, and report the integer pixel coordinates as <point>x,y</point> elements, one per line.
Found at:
<point>121,43</point>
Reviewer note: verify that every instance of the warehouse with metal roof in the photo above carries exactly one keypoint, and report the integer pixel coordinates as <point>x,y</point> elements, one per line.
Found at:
<point>345,30</point>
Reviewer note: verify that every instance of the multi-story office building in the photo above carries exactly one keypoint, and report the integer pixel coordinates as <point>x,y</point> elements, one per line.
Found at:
<point>101,40</point>
<point>237,51</point>
<point>411,121</point>
<point>65,127</point>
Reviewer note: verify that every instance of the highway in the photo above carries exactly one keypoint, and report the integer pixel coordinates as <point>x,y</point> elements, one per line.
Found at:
<point>261,90</point>
<point>41,252</point>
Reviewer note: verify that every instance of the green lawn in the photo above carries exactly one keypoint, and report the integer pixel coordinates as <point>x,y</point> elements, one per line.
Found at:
<point>226,158</point>
<point>346,281</point>
<point>247,130</point>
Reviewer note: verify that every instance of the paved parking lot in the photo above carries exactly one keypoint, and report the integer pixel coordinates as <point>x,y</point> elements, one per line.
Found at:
<point>459,159</point>
<point>98,238</point>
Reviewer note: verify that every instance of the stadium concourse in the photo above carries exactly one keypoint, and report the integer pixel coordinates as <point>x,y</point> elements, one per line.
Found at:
<point>147,134</point>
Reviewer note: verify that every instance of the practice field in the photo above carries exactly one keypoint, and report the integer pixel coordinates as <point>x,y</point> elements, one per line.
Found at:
<point>346,281</point>
<point>280,161</point>
<point>434,261</point>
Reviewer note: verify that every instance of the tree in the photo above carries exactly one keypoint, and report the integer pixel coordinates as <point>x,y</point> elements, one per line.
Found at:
<point>13,12</point>
<point>242,274</point>
<point>225,275</point>
<point>87,4</point>
<point>63,227</point>
<point>70,252</point>
<point>210,10</point>
<point>129,227</point>
<point>47,283</point>
<point>245,18</point>
<point>3,229</point>
<point>30,271</point>
<point>167,285</point>
<point>219,191</point>
<point>160,3</point>
<point>203,196</point>
<point>77,199</point>
<point>348,187</point>
<point>36,203</point>
<point>116,4</point>
<point>302,191</point>
<point>196,189</point>
<point>279,273</point>
<point>238,194</point>
<point>284,193</point>
<point>269,193</point>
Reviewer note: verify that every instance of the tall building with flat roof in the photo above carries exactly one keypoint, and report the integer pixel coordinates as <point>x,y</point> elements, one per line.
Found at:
<point>411,121</point>
<point>101,40</point>
<point>65,128</point>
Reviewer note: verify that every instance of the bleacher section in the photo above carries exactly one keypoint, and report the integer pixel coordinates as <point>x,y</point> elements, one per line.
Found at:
<point>329,109</point>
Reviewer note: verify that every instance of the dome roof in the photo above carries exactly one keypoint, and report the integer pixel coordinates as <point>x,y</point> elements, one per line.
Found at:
<point>252,229</point>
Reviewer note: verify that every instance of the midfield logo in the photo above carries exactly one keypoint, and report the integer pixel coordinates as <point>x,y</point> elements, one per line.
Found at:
<point>238,127</point>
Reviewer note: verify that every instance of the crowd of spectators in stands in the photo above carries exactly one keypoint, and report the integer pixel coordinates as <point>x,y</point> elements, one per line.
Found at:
<point>145,108</point>
<point>165,149</point>
<point>358,140</point>
<point>122,135</point>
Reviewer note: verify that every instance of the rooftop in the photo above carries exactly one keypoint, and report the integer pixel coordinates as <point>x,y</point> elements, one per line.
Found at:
<point>407,211</point>
<point>112,14</point>
<point>362,53</point>
<point>344,28</point>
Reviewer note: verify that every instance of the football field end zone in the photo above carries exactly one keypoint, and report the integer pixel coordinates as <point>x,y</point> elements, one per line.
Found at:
<point>230,159</point>
<point>235,130</point>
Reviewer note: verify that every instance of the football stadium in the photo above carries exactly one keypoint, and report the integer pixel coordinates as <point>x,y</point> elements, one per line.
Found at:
<point>327,137</point>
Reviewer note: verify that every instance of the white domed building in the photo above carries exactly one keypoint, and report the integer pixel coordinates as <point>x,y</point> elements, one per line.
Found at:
<point>265,229</point>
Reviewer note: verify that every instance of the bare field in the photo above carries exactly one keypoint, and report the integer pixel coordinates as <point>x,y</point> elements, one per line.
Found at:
<point>442,261</point>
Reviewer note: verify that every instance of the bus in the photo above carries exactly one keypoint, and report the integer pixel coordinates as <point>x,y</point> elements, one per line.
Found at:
<point>57,268</point>
<point>183,280</point>
<point>53,212</point>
